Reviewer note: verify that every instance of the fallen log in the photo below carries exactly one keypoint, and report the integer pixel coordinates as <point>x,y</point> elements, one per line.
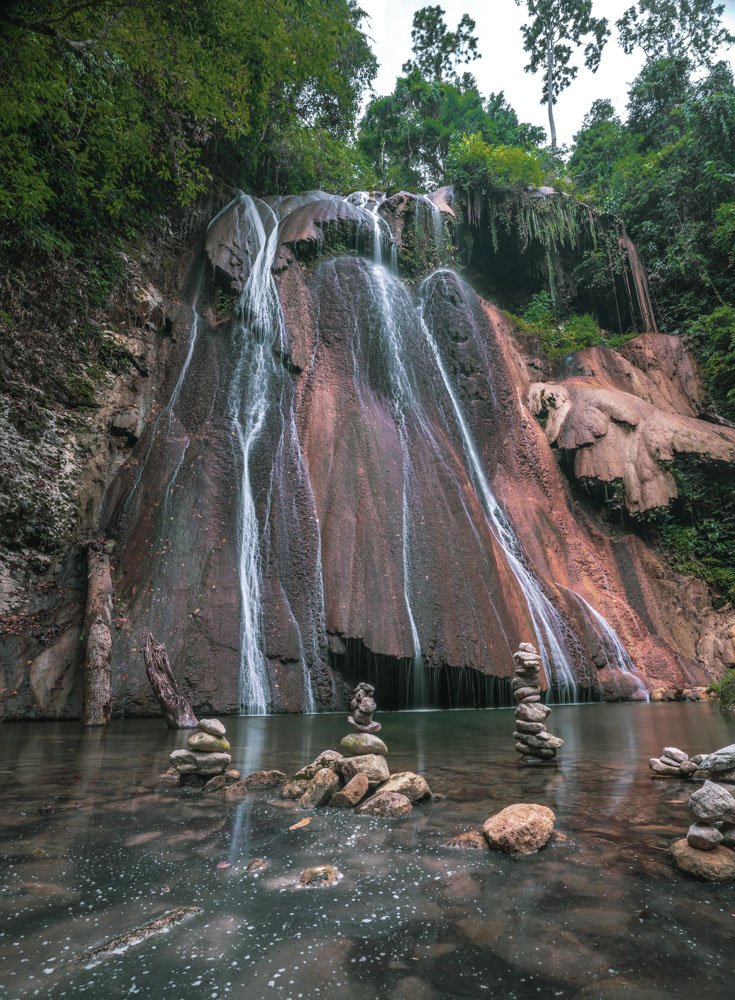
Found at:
<point>97,696</point>
<point>117,945</point>
<point>175,707</point>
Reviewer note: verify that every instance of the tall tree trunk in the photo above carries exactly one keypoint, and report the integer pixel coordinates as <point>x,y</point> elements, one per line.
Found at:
<point>97,697</point>
<point>175,707</point>
<point>550,89</point>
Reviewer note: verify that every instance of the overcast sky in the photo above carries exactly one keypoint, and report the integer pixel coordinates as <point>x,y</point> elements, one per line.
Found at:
<point>503,58</point>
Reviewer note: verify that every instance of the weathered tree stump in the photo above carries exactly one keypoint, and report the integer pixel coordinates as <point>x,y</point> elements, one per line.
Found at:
<point>97,697</point>
<point>176,708</point>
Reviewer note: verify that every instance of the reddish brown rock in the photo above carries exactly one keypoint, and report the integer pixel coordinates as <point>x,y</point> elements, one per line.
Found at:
<point>352,794</point>
<point>414,786</point>
<point>388,805</point>
<point>320,789</point>
<point>519,829</point>
<point>717,865</point>
<point>472,839</point>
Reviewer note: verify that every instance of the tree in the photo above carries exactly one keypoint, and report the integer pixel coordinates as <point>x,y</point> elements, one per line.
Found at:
<point>674,28</point>
<point>438,51</point>
<point>556,25</point>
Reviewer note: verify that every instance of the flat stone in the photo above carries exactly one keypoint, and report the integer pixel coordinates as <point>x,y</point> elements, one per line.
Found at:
<point>473,838</point>
<point>215,784</point>
<point>519,829</point>
<point>545,753</point>
<point>352,794</point>
<point>212,726</point>
<point>527,692</point>
<point>294,789</point>
<point>529,727</point>
<point>678,756</point>
<point>371,727</point>
<point>658,767</point>
<point>264,779</point>
<point>206,743</point>
<point>388,805</point>
<point>532,713</point>
<point>712,802</point>
<point>192,761</point>
<point>717,865</point>
<point>528,680</point>
<point>372,765</point>
<point>359,744</point>
<point>703,837</point>
<point>539,740</point>
<point>414,786</point>
<point>720,760</point>
<point>320,789</point>
<point>319,875</point>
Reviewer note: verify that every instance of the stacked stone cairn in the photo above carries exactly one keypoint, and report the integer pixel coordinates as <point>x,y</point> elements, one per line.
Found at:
<point>709,848</point>
<point>674,763</point>
<point>358,778</point>
<point>205,761</point>
<point>533,742</point>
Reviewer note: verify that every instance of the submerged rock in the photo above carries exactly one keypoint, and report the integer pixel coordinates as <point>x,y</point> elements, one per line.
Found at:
<point>294,789</point>
<point>215,784</point>
<point>389,805</point>
<point>472,838</point>
<point>519,829</point>
<point>264,779</point>
<point>717,865</point>
<point>319,875</point>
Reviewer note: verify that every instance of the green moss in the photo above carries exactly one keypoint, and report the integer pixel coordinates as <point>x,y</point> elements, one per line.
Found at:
<point>561,337</point>
<point>725,689</point>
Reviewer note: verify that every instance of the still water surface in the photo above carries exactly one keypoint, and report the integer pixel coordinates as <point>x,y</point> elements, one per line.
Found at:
<point>598,913</point>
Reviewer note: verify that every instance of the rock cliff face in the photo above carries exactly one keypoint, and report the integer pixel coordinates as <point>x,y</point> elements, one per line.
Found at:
<point>348,471</point>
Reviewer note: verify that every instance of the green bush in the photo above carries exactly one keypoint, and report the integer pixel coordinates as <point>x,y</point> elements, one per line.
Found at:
<point>562,337</point>
<point>712,337</point>
<point>725,689</point>
<point>474,164</point>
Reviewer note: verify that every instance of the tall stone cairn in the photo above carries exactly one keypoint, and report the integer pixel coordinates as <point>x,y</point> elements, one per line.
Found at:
<point>532,740</point>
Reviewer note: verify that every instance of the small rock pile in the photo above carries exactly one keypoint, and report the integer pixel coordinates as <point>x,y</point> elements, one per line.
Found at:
<point>358,778</point>
<point>709,848</point>
<point>205,762</point>
<point>532,740</point>
<point>675,763</point>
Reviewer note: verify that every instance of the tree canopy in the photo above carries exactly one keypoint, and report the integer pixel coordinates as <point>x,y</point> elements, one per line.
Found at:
<point>437,51</point>
<point>692,29</point>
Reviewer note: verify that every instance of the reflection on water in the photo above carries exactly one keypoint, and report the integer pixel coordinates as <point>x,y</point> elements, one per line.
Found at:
<point>595,915</point>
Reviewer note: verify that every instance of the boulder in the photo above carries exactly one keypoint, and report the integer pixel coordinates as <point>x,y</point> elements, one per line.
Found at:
<point>360,744</point>
<point>472,838</point>
<point>712,802</point>
<point>720,760</point>
<point>534,712</point>
<point>519,829</point>
<point>192,761</point>
<point>264,779</point>
<point>414,786</point>
<point>703,837</point>
<point>212,726</point>
<point>386,804</point>
<point>319,875</point>
<point>372,765</point>
<point>320,789</point>
<point>206,743</point>
<point>294,789</point>
<point>717,865</point>
<point>352,794</point>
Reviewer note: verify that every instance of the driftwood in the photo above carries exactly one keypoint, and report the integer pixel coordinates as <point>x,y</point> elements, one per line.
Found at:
<point>97,697</point>
<point>118,944</point>
<point>176,708</point>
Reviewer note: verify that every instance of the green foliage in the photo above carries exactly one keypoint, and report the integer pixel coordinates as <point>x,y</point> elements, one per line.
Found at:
<point>725,690</point>
<point>438,51</point>
<point>555,26</point>
<point>406,136</point>
<point>561,337</point>
<point>667,28</point>
<point>712,337</point>
<point>699,528</point>
<point>473,164</point>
